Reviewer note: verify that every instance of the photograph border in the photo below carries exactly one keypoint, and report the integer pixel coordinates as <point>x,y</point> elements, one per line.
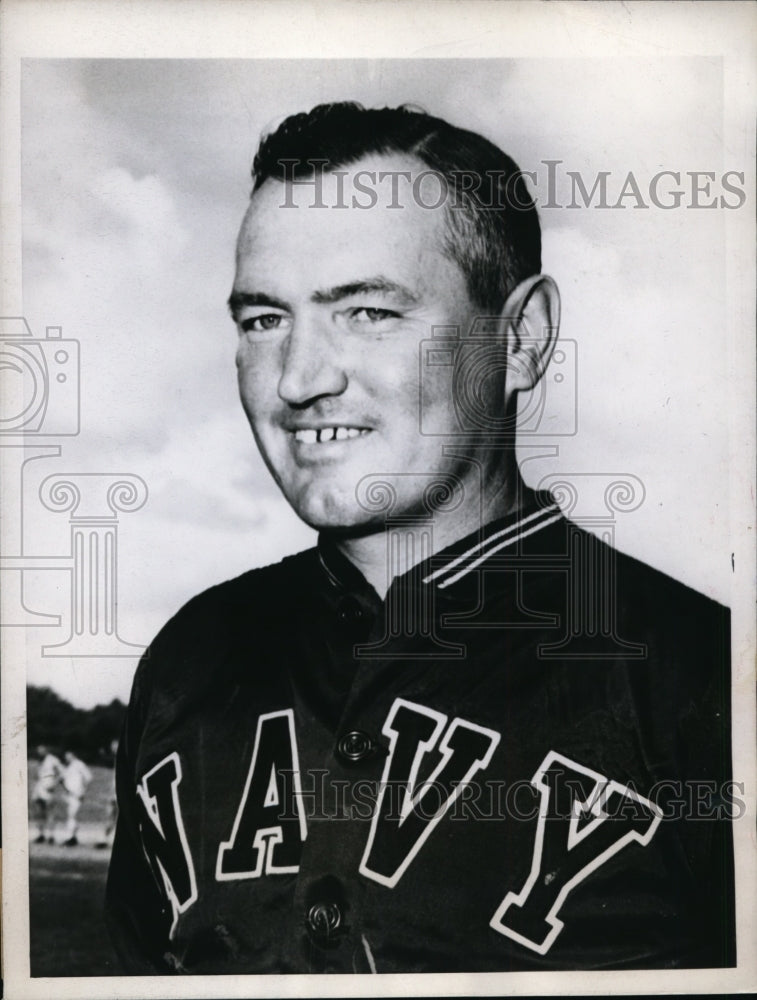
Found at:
<point>197,29</point>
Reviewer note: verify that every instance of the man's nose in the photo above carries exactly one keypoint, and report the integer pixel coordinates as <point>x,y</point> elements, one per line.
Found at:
<point>312,366</point>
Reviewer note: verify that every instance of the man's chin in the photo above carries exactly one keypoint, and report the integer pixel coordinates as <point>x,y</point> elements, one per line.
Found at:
<point>335,515</point>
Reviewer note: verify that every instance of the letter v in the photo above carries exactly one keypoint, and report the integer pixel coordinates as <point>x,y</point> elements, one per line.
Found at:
<point>396,836</point>
<point>570,846</point>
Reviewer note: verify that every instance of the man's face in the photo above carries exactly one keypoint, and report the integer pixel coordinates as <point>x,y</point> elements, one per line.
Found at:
<point>332,305</point>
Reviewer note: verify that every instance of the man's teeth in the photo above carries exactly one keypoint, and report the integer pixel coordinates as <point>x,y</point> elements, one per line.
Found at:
<point>311,435</point>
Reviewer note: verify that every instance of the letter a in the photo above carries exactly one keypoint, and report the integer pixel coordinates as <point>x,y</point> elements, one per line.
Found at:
<point>583,831</point>
<point>270,824</point>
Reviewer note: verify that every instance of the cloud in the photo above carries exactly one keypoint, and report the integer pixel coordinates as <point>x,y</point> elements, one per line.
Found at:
<point>144,204</point>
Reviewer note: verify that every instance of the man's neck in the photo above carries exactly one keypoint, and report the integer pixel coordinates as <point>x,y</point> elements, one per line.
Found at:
<point>412,542</point>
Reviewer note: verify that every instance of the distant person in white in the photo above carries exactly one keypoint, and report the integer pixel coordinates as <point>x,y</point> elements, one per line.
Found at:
<point>76,779</point>
<point>112,808</point>
<point>49,776</point>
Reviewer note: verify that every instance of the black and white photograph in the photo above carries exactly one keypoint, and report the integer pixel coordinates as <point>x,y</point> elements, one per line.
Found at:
<point>378,466</point>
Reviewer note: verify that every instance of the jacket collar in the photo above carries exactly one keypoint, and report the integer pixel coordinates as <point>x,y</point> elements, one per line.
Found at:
<point>457,561</point>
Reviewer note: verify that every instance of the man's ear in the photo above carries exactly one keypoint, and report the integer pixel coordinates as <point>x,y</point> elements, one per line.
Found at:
<point>532,317</point>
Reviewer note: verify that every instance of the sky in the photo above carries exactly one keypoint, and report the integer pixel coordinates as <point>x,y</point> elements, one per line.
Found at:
<point>135,176</point>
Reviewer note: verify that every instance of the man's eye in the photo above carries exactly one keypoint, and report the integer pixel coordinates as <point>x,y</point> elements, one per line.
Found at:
<point>371,314</point>
<point>259,324</point>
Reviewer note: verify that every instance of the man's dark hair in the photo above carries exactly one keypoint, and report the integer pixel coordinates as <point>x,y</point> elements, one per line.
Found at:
<point>493,227</point>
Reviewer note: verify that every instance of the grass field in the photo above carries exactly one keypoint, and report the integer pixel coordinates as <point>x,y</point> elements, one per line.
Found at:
<point>66,890</point>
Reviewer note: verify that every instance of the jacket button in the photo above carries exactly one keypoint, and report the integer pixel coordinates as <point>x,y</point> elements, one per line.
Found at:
<point>323,921</point>
<point>355,746</point>
<point>349,610</point>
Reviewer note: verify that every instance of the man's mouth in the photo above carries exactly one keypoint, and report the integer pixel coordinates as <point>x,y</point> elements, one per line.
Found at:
<point>321,435</point>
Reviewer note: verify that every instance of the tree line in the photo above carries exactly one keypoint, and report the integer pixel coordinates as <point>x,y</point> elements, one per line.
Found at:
<point>53,722</point>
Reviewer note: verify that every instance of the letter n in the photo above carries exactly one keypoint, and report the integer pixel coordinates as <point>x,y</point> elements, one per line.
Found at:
<point>163,838</point>
<point>584,819</point>
<point>269,828</point>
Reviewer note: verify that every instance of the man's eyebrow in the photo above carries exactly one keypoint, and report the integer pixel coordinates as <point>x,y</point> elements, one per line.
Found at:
<point>379,284</point>
<point>238,300</point>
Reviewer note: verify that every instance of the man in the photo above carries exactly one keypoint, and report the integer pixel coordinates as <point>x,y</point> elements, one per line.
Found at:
<point>76,780</point>
<point>461,734</point>
<point>49,776</point>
